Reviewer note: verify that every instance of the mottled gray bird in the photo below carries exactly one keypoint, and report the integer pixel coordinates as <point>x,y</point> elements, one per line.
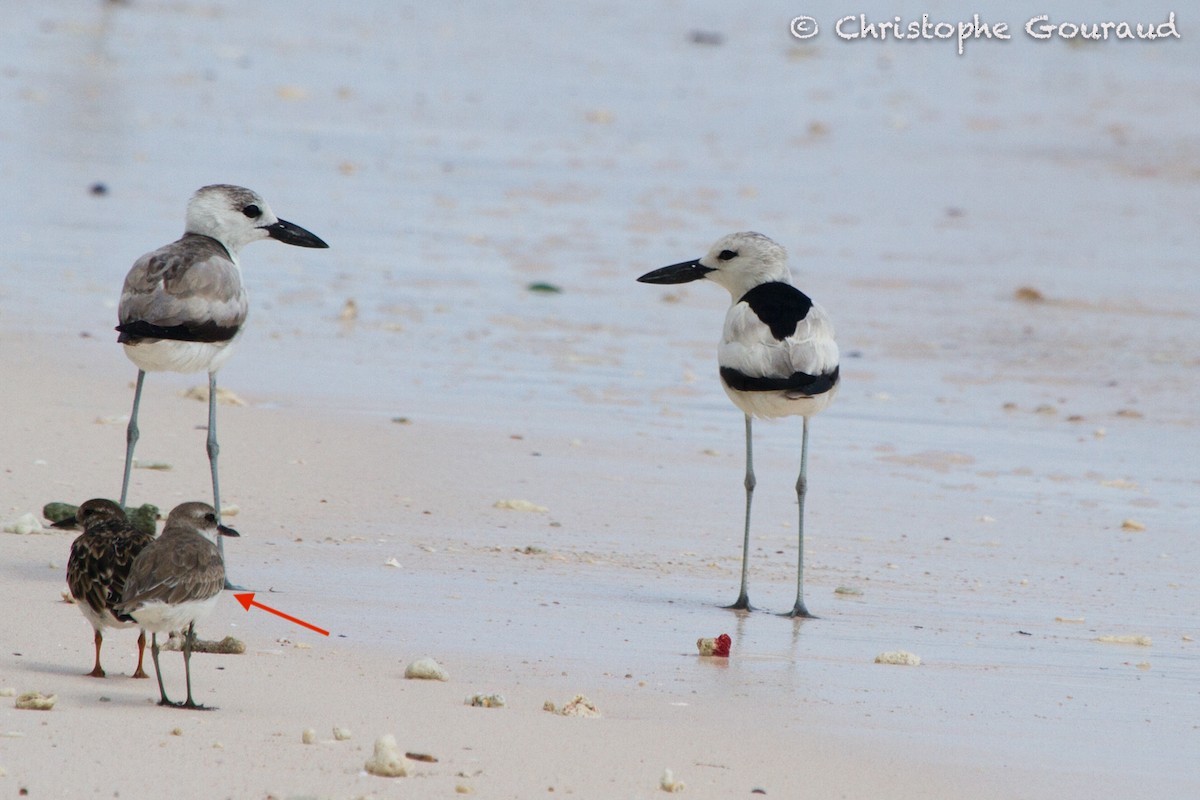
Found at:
<point>184,304</point>
<point>175,581</point>
<point>98,568</point>
<point>777,355</point>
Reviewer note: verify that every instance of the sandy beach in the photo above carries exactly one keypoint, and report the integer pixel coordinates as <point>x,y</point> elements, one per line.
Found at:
<point>1005,241</point>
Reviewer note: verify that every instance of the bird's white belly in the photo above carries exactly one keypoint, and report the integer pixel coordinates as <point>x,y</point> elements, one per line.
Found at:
<point>161,617</point>
<point>170,355</point>
<point>770,405</point>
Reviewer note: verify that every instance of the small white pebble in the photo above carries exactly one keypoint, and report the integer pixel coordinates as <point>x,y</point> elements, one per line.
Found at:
<point>341,733</point>
<point>36,701</point>
<point>899,657</point>
<point>426,669</point>
<point>391,562</point>
<point>387,761</point>
<point>520,505</point>
<point>668,783</point>
<point>24,525</point>
<point>1140,641</point>
<point>309,736</point>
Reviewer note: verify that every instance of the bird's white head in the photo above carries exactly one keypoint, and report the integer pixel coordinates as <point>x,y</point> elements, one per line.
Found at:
<point>198,517</point>
<point>738,261</point>
<point>236,216</point>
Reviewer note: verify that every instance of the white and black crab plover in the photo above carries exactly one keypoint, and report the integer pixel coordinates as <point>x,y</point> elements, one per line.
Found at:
<point>777,356</point>
<point>183,305</point>
<point>98,568</point>
<point>175,582</point>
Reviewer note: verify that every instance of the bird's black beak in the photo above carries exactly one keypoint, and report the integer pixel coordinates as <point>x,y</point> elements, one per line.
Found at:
<point>289,233</point>
<point>677,273</point>
<point>227,531</point>
<point>66,523</point>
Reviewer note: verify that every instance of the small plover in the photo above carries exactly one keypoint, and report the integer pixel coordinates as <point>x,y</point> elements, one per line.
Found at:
<point>99,566</point>
<point>175,581</point>
<point>777,355</point>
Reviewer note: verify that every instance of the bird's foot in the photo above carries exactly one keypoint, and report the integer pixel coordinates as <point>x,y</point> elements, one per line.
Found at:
<point>95,673</point>
<point>799,612</point>
<point>192,705</point>
<point>139,673</point>
<point>741,604</point>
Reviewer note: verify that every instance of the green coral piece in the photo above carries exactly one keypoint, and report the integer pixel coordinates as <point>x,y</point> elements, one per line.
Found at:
<point>143,517</point>
<point>57,512</point>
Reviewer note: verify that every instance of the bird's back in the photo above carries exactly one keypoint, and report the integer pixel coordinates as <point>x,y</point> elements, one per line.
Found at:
<point>777,334</point>
<point>100,562</point>
<point>189,290</point>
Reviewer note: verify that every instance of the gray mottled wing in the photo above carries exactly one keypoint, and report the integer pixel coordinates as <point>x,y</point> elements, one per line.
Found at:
<point>175,568</point>
<point>189,290</point>
<point>100,562</point>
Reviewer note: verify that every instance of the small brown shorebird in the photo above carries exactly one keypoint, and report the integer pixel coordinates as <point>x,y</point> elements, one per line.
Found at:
<point>99,566</point>
<point>184,304</point>
<point>175,581</point>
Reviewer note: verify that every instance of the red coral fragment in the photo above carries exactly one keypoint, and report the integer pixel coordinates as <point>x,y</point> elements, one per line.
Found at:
<point>723,644</point>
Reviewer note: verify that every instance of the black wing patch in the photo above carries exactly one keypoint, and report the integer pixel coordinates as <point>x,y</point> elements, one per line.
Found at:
<point>780,306</point>
<point>798,382</point>
<point>136,331</point>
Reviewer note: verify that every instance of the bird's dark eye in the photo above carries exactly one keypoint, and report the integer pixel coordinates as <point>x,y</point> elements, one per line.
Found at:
<point>726,255</point>
<point>210,518</point>
<point>252,211</point>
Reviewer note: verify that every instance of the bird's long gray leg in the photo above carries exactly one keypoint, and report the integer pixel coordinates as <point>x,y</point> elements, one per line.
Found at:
<point>162,693</point>
<point>799,610</point>
<point>743,601</point>
<point>214,449</point>
<point>131,435</point>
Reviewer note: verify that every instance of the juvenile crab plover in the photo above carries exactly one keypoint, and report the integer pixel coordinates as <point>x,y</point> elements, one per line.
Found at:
<point>777,355</point>
<point>99,566</point>
<point>175,581</point>
<point>184,304</point>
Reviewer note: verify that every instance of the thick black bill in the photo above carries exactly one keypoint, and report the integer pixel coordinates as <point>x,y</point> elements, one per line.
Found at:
<point>677,273</point>
<point>226,531</point>
<point>288,233</point>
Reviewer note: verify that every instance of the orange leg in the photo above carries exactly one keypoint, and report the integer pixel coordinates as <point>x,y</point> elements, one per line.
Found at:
<point>139,672</point>
<point>97,671</point>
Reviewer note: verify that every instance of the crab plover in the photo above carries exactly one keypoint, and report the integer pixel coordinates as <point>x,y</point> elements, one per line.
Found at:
<point>777,355</point>
<point>184,304</point>
<point>175,581</point>
<point>99,566</point>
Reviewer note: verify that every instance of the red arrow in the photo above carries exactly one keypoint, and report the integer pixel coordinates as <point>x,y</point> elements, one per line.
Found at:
<point>247,600</point>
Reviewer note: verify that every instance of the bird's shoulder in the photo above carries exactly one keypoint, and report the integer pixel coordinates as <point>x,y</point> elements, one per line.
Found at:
<point>180,268</point>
